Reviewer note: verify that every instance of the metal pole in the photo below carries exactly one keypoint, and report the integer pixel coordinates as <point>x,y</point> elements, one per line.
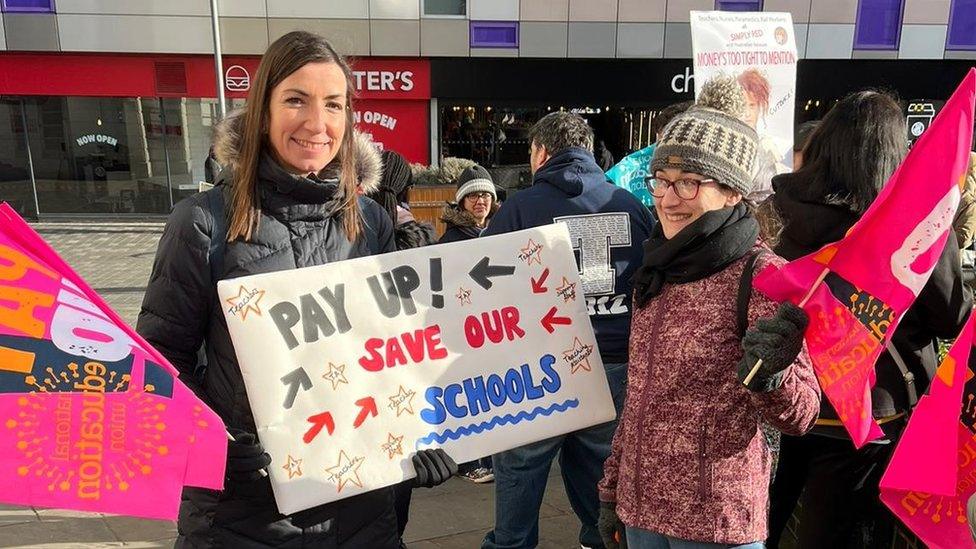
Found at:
<point>218,60</point>
<point>169,175</point>
<point>30,159</point>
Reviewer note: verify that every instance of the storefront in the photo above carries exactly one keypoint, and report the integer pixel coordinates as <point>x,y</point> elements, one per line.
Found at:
<point>116,135</point>
<point>486,106</point>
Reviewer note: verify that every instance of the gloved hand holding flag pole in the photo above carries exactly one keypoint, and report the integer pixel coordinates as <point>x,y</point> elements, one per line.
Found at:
<point>856,290</point>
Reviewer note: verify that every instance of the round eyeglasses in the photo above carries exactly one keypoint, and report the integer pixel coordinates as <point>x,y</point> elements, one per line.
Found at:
<point>685,188</point>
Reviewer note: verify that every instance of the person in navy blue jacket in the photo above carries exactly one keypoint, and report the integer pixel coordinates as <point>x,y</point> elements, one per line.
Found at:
<point>608,227</point>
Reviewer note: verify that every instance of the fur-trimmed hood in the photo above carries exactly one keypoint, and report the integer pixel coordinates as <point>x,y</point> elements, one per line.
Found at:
<point>369,167</point>
<point>456,216</point>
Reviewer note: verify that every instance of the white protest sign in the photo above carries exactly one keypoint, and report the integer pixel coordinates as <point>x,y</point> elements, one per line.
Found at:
<point>475,347</point>
<point>759,50</point>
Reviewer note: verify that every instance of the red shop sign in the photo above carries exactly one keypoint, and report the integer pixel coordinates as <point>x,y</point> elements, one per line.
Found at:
<point>373,78</point>
<point>401,126</point>
<point>137,75</point>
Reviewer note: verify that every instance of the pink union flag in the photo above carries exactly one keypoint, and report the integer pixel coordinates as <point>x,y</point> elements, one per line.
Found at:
<point>857,290</point>
<point>91,416</point>
<point>933,470</point>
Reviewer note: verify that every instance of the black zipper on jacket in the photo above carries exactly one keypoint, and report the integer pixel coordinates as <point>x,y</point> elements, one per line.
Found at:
<point>652,346</point>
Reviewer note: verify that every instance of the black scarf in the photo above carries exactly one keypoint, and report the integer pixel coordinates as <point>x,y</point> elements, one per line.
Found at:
<point>701,249</point>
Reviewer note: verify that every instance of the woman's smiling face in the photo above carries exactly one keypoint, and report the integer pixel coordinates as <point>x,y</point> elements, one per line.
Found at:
<point>307,117</point>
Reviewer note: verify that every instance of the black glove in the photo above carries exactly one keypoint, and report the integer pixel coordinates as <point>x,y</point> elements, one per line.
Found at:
<point>433,467</point>
<point>777,341</point>
<point>611,529</point>
<point>245,456</point>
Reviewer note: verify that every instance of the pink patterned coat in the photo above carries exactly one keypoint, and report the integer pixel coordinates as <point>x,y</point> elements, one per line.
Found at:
<point>689,459</point>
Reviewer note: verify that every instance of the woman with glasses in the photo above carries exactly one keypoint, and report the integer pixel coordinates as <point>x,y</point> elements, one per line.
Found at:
<point>690,466</point>
<point>476,203</point>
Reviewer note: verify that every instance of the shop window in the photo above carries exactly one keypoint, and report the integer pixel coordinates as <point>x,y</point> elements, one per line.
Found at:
<point>494,34</point>
<point>878,25</point>
<point>16,187</point>
<point>27,6</point>
<point>739,5</point>
<point>962,26</point>
<point>455,8</point>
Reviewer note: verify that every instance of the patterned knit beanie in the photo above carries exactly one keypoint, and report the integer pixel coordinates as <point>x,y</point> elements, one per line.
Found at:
<point>474,179</point>
<point>710,139</point>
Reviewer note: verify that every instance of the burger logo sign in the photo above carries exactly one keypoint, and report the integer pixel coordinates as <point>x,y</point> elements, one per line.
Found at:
<point>237,79</point>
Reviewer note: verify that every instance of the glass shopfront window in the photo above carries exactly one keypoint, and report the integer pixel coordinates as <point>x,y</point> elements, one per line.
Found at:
<point>496,136</point>
<point>103,155</point>
<point>15,178</point>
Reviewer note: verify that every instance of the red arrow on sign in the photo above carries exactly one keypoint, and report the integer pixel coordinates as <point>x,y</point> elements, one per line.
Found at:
<point>318,421</point>
<point>368,406</point>
<point>550,319</point>
<point>538,286</point>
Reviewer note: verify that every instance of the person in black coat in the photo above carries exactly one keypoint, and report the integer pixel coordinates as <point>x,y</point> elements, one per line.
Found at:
<point>289,191</point>
<point>846,162</point>
<point>391,192</point>
<point>476,202</point>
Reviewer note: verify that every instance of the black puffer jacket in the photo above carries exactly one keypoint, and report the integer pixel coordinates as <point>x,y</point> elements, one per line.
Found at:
<point>810,221</point>
<point>299,227</point>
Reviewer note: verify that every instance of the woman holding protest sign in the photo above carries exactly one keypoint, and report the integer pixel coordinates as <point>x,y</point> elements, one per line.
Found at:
<point>690,465</point>
<point>848,159</point>
<point>288,188</point>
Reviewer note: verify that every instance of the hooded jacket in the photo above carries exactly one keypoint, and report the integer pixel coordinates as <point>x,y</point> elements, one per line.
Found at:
<point>810,221</point>
<point>461,225</point>
<point>299,226</point>
<point>608,226</point>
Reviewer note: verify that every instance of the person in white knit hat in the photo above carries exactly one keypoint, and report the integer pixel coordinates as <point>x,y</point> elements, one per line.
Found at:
<point>476,201</point>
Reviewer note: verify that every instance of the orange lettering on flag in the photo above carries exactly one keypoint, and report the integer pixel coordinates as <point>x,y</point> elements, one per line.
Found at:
<point>825,255</point>
<point>14,265</point>
<point>15,360</point>
<point>22,317</point>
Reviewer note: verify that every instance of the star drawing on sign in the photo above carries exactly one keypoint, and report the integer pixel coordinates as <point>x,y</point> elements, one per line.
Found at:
<point>346,471</point>
<point>531,252</point>
<point>393,445</point>
<point>579,356</point>
<point>402,401</point>
<point>567,291</point>
<point>336,375</point>
<point>293,466</point>
<point>246,300</point>
<point>463,295</point>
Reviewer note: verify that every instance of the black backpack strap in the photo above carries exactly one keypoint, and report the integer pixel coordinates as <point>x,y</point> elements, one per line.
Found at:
<point>218,237</point>
<point>745,294</point>
<point>372,238</point>
<point>906,374</point>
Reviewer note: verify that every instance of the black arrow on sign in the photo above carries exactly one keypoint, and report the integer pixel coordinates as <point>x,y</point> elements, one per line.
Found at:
<point>295,379</point>
<point>482,273</point>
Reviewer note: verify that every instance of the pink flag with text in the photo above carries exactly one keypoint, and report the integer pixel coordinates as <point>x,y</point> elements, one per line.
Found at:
<point>872,276</point>
<point>93,418</point>
<point>933,470</point>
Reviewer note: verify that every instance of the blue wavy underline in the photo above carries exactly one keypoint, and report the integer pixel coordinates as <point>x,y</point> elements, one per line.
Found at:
<point>475,428</point>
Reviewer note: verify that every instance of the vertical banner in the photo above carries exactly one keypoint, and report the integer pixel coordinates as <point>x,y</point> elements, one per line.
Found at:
<point>476,347</point>
<point>759,50</point>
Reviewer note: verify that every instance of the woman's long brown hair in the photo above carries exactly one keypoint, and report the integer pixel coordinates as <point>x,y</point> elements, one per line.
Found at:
<point>285,56</point>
